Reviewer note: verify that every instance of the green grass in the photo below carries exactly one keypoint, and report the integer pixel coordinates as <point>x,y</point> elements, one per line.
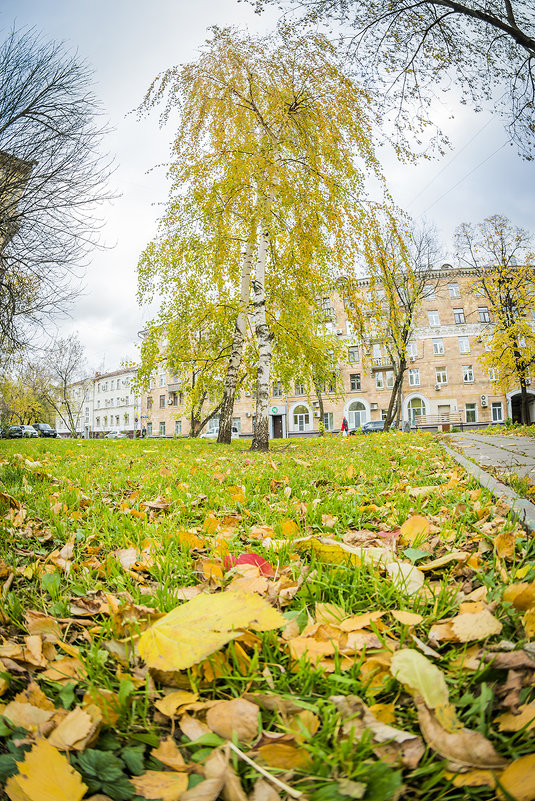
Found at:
<point>91,494</point>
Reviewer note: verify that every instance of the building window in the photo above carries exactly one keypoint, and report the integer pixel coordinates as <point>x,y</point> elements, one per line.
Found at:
<point>497,412</point>
<point>412,349</point>
<point>484,316</point>
<point>149,403</point>
<point>389,379</point>
<point>441,375</point>
<point>414,377</point>
<point>162,401</point>
<point>458,316</point>
<point>162,429</point>
<point>464,345</point>
<point>379,380</point>
<point>354,382</point>
<point>353,354</point>
<point>236,424</point>
<point>493,374</point>
<point>468,374</point>
<point>416,407</point>
<point>454,290</point>
<point>277,389</point>
<point>434,318</point>
<point>438,347</point>
<point>178,426</point>
<point>470,413</point>
<point>328,423</point>
<point>299,388</point>
<point>429,292</point>
<point>301,417</point>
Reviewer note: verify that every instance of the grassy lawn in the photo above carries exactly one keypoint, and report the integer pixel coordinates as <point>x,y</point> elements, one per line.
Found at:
<point>398,662</point>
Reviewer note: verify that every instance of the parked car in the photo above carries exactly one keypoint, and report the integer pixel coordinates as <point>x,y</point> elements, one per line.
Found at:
<point>14,432</point>
<point>29,432</point>
<point>44,430</point>
<point>116,435</point>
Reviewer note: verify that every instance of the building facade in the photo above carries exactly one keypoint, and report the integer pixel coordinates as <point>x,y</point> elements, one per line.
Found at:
<point>445,383</point>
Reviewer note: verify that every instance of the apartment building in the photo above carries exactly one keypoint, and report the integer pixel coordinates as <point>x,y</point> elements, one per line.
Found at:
<point>102,404</point>
<point>444,383</point>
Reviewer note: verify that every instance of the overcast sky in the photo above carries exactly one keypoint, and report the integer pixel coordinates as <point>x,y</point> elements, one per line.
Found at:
<point>127,43</point>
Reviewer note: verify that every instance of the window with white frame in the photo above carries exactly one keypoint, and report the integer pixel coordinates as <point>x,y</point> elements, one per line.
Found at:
<point>354,382</point>
<point>470,412</point>
<point>389,379</point>
<point>441,375</point>
<point>353,354</point>
<point>328,423</point>
<point>484,315</point>
<point>434,318</point>
<point>438,347</point>
<point>497,412</point>
<point>379,380</point>
<point>414,377</point>
<point>464,345</point>
<point>493,373</point>
<point>458,316</point>
<point>454,290</point>
<point>428,292</point>
<point>301,418</point>
<point>178,426</point>
<point>468,374</point>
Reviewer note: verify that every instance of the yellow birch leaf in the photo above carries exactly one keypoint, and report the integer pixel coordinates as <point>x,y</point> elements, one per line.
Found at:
<point>518,779</point>
<point>161,785</point>
<point>198,628</point>
<point>416,672</point>
<point>45,775</point>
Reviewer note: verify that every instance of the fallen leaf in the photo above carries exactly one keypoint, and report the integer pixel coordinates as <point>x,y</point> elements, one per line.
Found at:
<point>45,775</point>
<point>194,630</point>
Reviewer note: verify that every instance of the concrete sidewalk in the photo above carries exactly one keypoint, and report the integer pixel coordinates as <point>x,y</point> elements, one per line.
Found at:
<point>507,454</point>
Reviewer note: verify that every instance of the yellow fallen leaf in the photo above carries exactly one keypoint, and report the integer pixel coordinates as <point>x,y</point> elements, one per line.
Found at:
<point>45,775</point>
<point>161,785</point>
<point>194,630</point>
<point>415,528</point>
<point>518,779</point>
<point>236,718</point>
<point>416,672</point>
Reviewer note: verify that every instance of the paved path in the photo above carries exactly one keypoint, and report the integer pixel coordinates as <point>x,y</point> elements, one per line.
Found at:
<point>507,454</point>
<point>515,454</point>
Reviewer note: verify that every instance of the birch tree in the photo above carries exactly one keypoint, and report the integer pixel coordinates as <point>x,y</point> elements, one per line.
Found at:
<point>274,143</point>
<point>502,258</point>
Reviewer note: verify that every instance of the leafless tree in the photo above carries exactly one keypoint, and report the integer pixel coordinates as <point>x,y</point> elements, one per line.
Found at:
<point>52,179</point>
<point>409,48</point>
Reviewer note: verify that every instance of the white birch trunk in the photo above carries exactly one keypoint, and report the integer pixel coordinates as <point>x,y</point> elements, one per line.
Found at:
<point>263,338</point>
<point>231,378</point>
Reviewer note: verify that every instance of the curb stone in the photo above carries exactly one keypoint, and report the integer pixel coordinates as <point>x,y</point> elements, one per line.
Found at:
<point>521,508</point>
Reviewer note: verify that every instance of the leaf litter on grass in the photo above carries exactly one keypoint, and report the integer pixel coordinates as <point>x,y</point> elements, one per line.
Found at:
<point>344,619</point>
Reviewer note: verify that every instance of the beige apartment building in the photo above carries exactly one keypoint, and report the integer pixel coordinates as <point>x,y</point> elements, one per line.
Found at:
<point>444,385</point>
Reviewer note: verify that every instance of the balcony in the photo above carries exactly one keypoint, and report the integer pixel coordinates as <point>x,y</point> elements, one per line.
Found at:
<point>381,363</point>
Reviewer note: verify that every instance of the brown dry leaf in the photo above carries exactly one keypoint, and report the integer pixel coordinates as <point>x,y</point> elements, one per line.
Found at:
<point>465,747</point>
<point>524,718</point>
<point>169,754</point>
<point>234,718</point>
<point>75,726</point>
<point>161,785</point>
<point>414,528</point>
<point>169,704</point>
<point>519,779</point>
<point>283,756</point>
<point>45,775</point>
